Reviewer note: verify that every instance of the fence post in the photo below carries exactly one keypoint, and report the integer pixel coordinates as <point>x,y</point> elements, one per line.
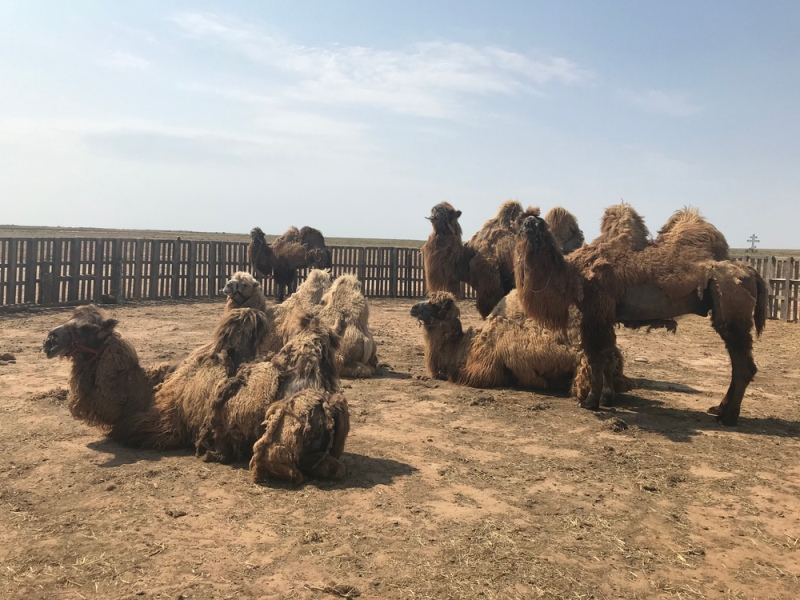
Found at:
<point>115,287</point>
<point>176,268</point>
<point>30,270</point>
<point>155,267</point>
<point>74,269</point>
<point>787,277</point>
<point>13,245</point>
<point>393,274</point>
<point>99,246</point>
<point>138,255</point>
<point>191,283</point>
<point>55,290</point>
<point>213,247</point>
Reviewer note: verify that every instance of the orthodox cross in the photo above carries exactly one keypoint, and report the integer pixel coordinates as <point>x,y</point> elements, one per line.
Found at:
<point>753,239</point>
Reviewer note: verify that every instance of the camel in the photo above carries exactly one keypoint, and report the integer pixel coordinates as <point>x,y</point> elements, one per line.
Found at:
<point>295,249</point>
<point>509,350</point>
<point>218,399</point>
<point>340,305</point>
<point>496,241</point>
<point>345,310</point>
<point>486,261</point>
<point>448,261</point>
<point>565,229</point>
<point>614,282</point>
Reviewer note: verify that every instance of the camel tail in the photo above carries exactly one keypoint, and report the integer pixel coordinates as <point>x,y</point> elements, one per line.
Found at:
<point>762,301</point>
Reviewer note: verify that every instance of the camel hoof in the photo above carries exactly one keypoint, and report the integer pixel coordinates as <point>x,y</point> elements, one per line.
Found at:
<point>715,410</point>
<point>727,420</point>
<point>590,402</point>
<point>607,399</point>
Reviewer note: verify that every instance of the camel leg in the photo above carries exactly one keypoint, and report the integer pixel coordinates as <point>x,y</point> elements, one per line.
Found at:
<point>598,340</point>
<point>743,369</point>
<point>607,395</point>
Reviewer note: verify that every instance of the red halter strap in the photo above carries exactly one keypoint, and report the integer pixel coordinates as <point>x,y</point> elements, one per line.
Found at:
<point>76,347</point>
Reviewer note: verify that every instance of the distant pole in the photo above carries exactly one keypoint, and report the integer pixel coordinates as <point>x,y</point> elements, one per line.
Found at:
<point>753,239</point>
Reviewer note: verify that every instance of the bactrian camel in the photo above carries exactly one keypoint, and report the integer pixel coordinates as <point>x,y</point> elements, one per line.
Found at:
<point>295,249</point>
<point>620,279</point>
<point>508,350</point>
<point>217,400</point>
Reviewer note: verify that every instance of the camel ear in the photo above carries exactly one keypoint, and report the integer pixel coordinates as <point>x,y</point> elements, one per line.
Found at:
<point>107,328</point>
<point>458,213</point>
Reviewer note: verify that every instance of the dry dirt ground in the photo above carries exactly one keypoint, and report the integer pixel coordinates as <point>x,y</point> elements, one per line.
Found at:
<point>451,492</point>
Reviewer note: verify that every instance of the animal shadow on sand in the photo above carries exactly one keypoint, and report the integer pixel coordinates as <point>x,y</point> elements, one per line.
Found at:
<point>363,472</point>
<point>122,455</point>
<point>681,424</point>
<point>386,372</point>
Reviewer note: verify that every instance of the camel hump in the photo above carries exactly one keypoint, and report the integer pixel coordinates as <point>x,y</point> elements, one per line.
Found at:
<point>623,224</point>
<point>687,227</point>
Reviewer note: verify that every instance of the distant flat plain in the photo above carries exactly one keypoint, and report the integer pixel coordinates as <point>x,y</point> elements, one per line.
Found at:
<point>158,234</point>
<point>224,236</point>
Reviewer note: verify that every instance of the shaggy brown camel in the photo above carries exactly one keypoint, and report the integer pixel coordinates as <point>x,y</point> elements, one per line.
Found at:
<point>509,350</point>
<point>215,400</point>
<point>342,307</point>
<point>496,241</point>
<point>293,250</point>
<point>565,229</point>
<point>612,282</point>
<point>486,261</point>
<point>505,352</point>
<point>448,261</point>
<point>345,310</point>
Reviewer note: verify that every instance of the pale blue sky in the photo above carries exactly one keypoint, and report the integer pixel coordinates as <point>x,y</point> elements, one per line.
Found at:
<point>357,117</point>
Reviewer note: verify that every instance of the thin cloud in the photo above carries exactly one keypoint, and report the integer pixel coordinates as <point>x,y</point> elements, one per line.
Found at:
<point>659,102</point>
<point>124,61</point>
<point>430,79</point>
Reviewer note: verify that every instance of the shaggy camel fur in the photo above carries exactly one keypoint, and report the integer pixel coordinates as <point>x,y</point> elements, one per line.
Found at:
<point>345,310</point>
<point>505,352</point>
<point>565,229</point>
<point>448,261</point>
<point>302,435</point>
<point>497,240</point>
<point>610,283</point>
<point>216,400</point>
<point>342,307</point>
<point>509,350</point>
<point>293,250</point>
<point>623,224</point>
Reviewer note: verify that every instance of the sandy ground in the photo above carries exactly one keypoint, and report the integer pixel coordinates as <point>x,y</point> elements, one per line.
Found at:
<point>451,492</point>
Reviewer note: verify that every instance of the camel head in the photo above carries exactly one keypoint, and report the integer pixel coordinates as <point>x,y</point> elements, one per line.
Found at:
<point>444,219</point>
<point>82,336</point>
<point>440,307</point>
<point>241,287</point>
<point>534,228</point>
<point>242,333</point>
<point>257,235</point>
<point>565,229</point>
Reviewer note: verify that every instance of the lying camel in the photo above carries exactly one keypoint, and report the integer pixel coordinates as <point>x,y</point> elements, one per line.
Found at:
<point>341,306</point>
<point>217,399</point>
<point>509,350</point>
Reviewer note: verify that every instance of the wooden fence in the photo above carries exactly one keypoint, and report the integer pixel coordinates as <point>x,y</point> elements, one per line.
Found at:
<point>65,271</point>
<point>68,271</point>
